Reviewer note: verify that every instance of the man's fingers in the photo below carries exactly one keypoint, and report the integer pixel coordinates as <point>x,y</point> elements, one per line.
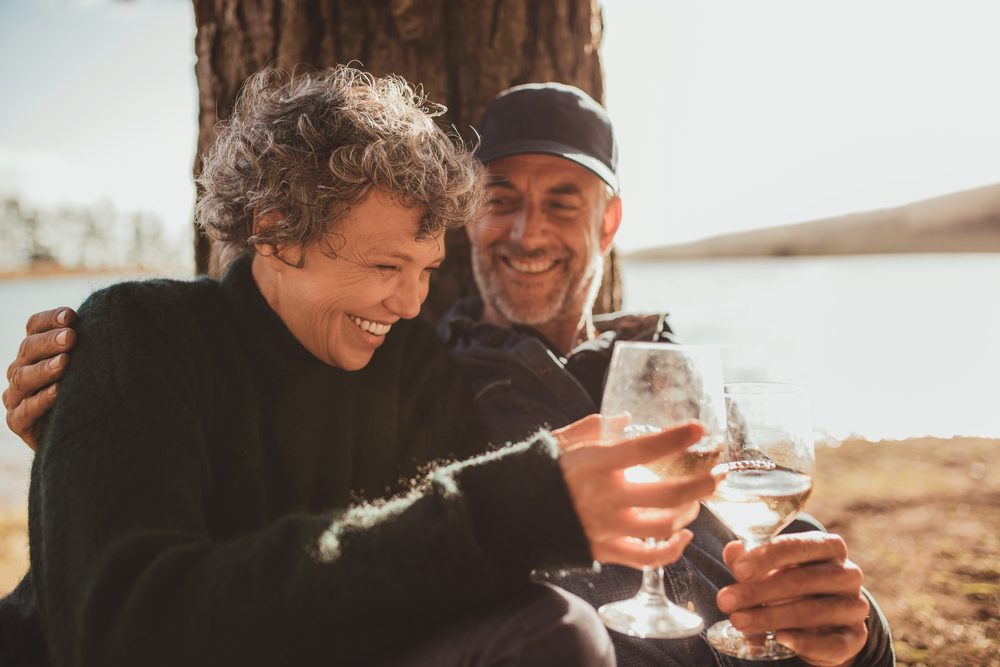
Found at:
<point>803,614</point>
<point>643,449</point>
<point>786,550</point>
<point>636,554</point>
<point>732,552</point>
<point>48,320</point>
<point>832,646</point>
<point>827,578</point>
<point>25,415</point>
<point>27,380</point>
<point>41,346</point>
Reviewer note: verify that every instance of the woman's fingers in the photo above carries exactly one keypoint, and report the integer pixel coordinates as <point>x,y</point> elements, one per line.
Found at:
<point>614,511</point>
<point>590,429</point>
<point>636,451</point>
<point>669,492</point>
<point>638,554</point>
<point>656,524</point>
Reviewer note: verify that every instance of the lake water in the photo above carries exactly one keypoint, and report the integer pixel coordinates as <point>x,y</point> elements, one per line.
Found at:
<point>887,346</point>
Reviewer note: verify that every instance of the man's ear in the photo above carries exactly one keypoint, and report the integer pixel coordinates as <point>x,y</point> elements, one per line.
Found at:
<point>610,223</point>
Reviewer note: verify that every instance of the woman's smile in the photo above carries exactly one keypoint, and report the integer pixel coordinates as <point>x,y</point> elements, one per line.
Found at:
<point>369,326</point>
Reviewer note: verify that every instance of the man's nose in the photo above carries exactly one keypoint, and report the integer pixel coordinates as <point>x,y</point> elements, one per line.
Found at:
<point>528,226</point>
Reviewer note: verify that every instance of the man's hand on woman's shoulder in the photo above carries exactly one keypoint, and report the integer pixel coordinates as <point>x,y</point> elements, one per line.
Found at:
<point>33,377</point>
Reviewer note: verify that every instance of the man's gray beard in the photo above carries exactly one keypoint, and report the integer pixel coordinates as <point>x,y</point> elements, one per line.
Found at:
<point>540,311</point>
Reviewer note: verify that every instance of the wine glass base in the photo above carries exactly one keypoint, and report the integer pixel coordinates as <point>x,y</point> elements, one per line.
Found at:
<point>647,616</point>
<point>724,638</point>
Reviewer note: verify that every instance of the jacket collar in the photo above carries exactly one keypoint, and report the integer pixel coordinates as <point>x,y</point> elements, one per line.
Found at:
<point>462,325</point>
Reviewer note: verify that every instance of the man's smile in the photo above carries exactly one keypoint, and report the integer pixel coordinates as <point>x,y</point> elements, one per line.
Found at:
<point>530,266</point>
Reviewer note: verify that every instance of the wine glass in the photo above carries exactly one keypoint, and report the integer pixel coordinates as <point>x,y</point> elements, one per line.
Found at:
<point>658,385</point>
<point>770,462</point>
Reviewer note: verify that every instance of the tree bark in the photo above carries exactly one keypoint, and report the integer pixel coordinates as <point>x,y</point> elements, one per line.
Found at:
<point>463,52</point>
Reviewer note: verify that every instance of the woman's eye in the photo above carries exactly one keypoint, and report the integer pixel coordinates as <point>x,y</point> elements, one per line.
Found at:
<point>386,267</point>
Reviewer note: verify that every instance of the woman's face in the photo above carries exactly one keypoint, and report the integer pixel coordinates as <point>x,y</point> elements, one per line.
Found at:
<point>341,307</point>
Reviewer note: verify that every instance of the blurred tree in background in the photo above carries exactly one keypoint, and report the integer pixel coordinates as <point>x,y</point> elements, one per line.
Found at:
<point>463,52</point>
<point>80,238</point>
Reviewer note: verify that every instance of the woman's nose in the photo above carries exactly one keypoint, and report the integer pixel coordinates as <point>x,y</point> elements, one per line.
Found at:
<point>406,300</point>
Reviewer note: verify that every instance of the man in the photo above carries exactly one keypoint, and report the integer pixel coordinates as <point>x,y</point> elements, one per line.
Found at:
<point>535,355</point>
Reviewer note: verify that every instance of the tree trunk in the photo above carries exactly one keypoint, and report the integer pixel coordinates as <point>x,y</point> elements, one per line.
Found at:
<point>463,52</point>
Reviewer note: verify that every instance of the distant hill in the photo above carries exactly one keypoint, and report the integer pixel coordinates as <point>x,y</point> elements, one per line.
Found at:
<point>967,221</point>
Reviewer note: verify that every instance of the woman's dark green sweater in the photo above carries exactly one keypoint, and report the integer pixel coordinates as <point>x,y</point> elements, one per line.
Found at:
<point>189,502</point>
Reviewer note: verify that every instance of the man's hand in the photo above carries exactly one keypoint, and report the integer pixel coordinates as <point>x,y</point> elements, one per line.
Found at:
<point>811,595</point>
<point>33,377</point>
<point>613,511</point>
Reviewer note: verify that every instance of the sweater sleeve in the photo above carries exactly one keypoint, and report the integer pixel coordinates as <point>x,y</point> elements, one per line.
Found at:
<point>126,567</point>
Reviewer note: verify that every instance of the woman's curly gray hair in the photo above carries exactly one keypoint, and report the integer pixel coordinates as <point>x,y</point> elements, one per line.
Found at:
<point>310,146</point>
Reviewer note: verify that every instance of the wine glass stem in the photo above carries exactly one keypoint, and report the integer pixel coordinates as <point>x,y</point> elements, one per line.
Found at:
<point>652,580</point>
<point>766,637</point>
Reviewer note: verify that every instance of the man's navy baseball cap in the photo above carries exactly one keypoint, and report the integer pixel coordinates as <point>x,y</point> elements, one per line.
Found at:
<point>550,118</point>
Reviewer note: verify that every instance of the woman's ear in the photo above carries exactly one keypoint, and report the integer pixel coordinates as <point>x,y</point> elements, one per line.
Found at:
<point>262,223</point>
<point>289,255</point>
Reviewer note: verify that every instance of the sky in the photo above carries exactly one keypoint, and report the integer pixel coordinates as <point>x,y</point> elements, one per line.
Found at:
<point>730,114</point>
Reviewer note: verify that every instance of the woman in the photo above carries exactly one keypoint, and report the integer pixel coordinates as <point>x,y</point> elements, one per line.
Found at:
<point>191,498</point>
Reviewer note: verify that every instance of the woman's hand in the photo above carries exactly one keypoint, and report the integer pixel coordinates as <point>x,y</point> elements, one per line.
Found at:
<point>615,512</point>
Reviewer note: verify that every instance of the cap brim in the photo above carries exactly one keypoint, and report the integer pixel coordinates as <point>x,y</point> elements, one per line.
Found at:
<point>551,148</point>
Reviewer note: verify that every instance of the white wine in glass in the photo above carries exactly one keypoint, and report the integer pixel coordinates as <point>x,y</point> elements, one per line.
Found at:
<point>769,467</point>
<point>660,385</point>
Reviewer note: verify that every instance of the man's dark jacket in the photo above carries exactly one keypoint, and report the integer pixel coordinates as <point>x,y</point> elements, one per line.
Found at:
<point>518,382</point>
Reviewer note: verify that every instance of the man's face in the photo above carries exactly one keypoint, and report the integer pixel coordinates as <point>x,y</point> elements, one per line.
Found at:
<point>538,252</point>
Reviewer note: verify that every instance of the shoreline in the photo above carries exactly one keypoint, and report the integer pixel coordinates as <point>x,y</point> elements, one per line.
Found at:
<point>77,272</point>
<point>920,516</point>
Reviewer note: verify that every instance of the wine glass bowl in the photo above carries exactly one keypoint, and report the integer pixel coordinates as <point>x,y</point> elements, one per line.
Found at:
<point>659,385</point>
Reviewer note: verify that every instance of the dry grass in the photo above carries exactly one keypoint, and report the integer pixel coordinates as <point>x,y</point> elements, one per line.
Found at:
<point>13,546</point>
<point>922,518</point>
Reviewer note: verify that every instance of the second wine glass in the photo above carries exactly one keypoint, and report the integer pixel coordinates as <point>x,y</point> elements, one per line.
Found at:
<point>660,385</point>
<point>770,463</point>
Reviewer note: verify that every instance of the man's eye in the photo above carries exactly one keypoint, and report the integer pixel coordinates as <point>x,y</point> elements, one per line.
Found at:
<point>388,268</point>
<point>562,206</point>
